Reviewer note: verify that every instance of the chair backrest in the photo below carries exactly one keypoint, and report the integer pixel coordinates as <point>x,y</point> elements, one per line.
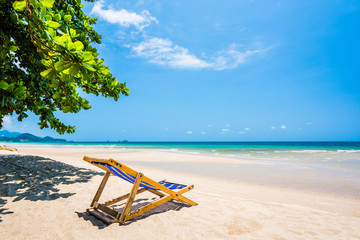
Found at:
<point>126,176</point>
<point>130,176</point>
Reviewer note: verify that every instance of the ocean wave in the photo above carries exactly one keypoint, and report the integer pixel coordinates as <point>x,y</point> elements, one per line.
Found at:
<point>193,152</point>
<point>310,151</point>
<point>349,151</point>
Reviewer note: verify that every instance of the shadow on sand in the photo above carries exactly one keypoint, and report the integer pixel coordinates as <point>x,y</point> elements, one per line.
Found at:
<point>168,206</point>
<point>36,178</point>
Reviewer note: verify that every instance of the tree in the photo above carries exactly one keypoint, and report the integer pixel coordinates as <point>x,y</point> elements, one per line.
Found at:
<point>46,56</point>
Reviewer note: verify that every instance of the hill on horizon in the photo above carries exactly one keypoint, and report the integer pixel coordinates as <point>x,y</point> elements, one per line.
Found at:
<point>8,136</point>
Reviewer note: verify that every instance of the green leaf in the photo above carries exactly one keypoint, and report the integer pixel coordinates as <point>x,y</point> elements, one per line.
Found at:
<point>19,6</point>
<point>66,109</point>
<point>89,67</point>
<point>11,87</point>
<point>65,72</point>
<point>56,95</point>
<point>13,48</point>
<point>46,63</point>
<point>51,32</point>
<point>48,3</point>
<point>61,65</point>
<point>104,71</point>
<point>60,32</point>
<point>57,17</point>
<point>67,17</point>
<point>42,12</point>
<point>64,77</point>
<point>3,85</point>
<point>91,62</point>
<point>71,46</point>
<point>20,90</point>
<point>87,56</point>
<point>73,33</point>
<point>53,24</point>
<point>74,70</point>
<point>64,38</point>
<point>79,45</point>
<point>48,17</point>
<point>46,72</point>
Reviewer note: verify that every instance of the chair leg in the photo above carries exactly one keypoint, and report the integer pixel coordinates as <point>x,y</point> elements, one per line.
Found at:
<point>161,201</point>
<point>101,188</point>
<point>131,198</point>
<point>183,199</point>
<point>149,207</point>
<point>141,190</point>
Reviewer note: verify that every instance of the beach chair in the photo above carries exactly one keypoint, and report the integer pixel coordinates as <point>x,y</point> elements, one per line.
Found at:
<point>163,189</point>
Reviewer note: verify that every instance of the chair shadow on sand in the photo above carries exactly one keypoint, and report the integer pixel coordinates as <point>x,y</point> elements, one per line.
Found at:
<point>137,204</point>
<point>36,178</point>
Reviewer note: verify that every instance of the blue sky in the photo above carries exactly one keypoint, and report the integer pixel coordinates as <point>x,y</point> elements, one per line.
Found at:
<point>224,71</point>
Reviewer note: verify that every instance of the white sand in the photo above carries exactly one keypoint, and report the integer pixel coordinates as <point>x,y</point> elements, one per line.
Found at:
<point>227,209</point>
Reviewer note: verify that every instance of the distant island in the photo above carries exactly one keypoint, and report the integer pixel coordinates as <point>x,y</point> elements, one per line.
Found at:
<point>7,136</point>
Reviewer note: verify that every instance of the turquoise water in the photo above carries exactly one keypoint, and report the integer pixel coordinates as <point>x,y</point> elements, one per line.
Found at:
<point>308,151</point>
<point>225,147</point>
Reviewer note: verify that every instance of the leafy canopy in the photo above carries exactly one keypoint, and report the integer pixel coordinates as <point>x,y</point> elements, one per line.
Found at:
<point>46,56</point>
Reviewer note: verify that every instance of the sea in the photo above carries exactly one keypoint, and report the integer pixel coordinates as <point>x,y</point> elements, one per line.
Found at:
<point>332,167</point>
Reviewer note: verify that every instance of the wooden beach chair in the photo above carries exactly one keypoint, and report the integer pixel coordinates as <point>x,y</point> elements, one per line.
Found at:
<point>163,189</point>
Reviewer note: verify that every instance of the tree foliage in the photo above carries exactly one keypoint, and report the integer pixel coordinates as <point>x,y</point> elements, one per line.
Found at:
<point>46,56</point>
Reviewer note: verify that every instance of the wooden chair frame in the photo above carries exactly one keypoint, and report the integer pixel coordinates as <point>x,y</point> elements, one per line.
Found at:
<point>165,194</point>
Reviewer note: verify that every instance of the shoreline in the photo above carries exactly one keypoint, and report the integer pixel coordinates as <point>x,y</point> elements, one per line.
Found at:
<point>267,171</point>
<point>156,167</point>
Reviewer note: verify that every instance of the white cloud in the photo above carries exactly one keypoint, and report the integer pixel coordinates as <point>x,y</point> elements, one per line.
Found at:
<point>189,132</point>
<point>241,132</point>
<point>165,52</point>
<point>233,57</point>
<point>225,130</point>
<point>247,129</point>
<point>123,17</point>
<point>203,132</point>
<point>7,122</point>
<point>272,127</point>
<point>283,127</point>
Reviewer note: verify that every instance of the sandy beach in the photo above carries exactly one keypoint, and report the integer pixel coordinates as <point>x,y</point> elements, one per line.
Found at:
<point>45,192</point>
<point>179,120</point>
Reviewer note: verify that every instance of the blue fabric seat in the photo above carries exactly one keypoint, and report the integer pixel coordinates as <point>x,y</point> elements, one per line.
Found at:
<point>131,179</point>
